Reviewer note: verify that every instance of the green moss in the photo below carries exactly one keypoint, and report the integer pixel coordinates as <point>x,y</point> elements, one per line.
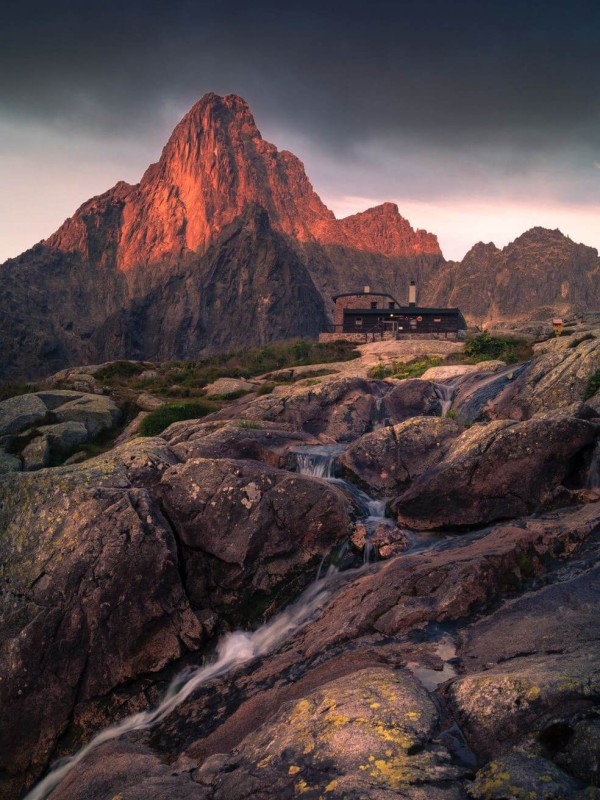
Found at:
<point>156,422</point>
<point>187,379</point>
<point>592,386</point>
<point>266,388</point>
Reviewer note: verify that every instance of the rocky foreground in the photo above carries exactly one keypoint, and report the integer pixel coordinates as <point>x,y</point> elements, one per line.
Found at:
<point>463,662</point>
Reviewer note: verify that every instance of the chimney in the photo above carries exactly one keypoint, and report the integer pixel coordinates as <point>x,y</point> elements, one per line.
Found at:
<point>367,290</point>
<point>412,294</point>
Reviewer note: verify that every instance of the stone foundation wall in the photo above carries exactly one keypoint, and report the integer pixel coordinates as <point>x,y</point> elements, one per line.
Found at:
<point>361,338</point>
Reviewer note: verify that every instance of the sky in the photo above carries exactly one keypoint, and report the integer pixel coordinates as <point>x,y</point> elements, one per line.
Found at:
<point>480,119</point>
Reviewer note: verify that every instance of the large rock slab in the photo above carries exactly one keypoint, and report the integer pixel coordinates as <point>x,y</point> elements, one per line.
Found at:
<point>21,412</point>
<point>225,386</point>
<point>260,441</point>
<point>343,408</point>
<point>248,529</point>
<point>495,471</point>
<point>554,380</point>
<point>368,734</point>
<point>412,398</point>
<point>92,597</point>
<point>64,437</point>
<point>534,666</point>
<point>451,371</point>
<point>388,459</point>
<point>97,412</point>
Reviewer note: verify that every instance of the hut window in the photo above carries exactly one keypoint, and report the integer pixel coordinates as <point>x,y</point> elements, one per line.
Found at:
<point>390,305</point>
<point>437,319</point>
<point>373,303</point>
<point>358,322</point>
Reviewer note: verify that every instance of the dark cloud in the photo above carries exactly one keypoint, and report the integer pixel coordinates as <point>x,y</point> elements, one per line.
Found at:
<point>455,73</point>
<point>485,112</point>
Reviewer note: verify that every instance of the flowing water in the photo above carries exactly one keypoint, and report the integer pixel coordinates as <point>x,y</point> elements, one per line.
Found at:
<point>240,647</point>
<point>234,649</point>
<point>445,393</point>
<point>593,477</point>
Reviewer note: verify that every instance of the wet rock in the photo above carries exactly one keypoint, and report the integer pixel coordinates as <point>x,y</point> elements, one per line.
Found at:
<point>522,776</point>
<point>248,529</point>
<point>389,459</point>
<point>265,442</point>
<point>343,408</point>
<point>412,398</point>
<point>21,412</point>
<point>493,471</point>
<point>447,584</point>
<point>474,393</point>
<point>36,454</point>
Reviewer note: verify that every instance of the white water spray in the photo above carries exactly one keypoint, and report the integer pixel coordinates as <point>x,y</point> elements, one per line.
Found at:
<point>445,393</point>
<point>235,649</point>
<point>593,477</point>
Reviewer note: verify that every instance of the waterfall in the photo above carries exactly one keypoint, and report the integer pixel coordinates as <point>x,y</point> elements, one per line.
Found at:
<point>445,393</point>
<point>593,476</point>
<point>317,461</point>
<point>234,649</point>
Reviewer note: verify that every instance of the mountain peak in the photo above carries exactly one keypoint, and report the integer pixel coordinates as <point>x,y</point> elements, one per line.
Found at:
<point>214,165</point>
<point>383,229</point>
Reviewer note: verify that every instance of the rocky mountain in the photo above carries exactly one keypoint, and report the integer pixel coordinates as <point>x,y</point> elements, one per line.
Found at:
<point>541,274</point>
<point>224,243</point>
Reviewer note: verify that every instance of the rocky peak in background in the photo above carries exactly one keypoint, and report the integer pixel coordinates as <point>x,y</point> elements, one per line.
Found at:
<point>542,272</point>
<point>214,164</point>
<point>383,230</point>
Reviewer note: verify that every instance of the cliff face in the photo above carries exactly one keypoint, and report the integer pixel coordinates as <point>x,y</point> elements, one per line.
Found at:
<point>541,273</point>
<point>214,164</point>
<point>224,243</point>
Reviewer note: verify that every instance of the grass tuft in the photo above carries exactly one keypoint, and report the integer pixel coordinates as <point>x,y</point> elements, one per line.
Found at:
<point>157,421</point>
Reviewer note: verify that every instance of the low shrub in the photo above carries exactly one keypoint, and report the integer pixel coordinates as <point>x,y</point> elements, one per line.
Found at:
<point>266,388</point>
<point>119,370</point>
<point>593,385</point>
<point>14,389</point>
<point>485,347</point>
<point>157,421</point>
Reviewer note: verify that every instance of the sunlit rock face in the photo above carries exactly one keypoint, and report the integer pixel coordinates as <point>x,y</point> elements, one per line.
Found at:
<point>214,165</point>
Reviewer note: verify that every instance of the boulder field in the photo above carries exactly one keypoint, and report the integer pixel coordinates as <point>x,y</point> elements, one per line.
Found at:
<point>464,665</point>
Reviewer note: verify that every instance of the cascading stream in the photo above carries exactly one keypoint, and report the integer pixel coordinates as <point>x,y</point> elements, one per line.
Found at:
<point>319,462</point>
<point>593,477</point>
<point>234,649</point>
<point>240,647</point>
